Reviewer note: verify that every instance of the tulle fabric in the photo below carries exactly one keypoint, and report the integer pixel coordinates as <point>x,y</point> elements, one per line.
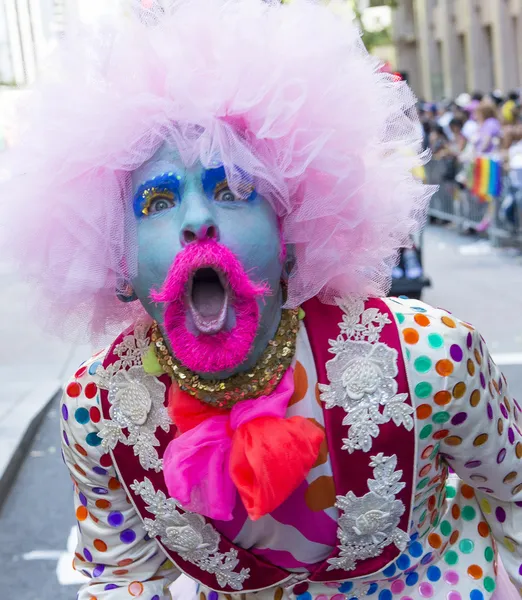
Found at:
<point>251,449</point>
<point>285,93</point>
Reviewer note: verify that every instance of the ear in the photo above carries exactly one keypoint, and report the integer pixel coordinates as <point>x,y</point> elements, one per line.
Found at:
<point>289,261</point>
<point>125,292</point>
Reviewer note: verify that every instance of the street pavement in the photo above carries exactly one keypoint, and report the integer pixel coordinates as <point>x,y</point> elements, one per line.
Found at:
<point>33,366</point>
<point>472,280</point>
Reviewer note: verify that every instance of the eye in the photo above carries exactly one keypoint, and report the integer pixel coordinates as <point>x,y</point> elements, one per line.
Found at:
<point>223,193</point>
<point>158,201</point>
<point>226,196</point>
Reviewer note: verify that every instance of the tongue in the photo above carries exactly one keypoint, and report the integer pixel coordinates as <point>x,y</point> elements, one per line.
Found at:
<point>208,298</point>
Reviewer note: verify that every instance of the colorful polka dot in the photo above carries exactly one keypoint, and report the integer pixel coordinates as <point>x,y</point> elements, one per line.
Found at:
<point>442,398</point>
<point>91,390</point>
<point>82,416</point>
<point>73,390</point>
<point>115,519</point>
<point>411,336</point>
<point>489,554</point>
<point>456,353</point>
<point>422,320</point>
<point>468,513</point>
<point>100,545</point>
<point>426,590</point>
<point>449,322</point>
<point>423,364</point>
<point>483,529</point>
<point>444,367</point>
<point>500,514</point>
<point>441,417</point>
<point>435,340</point>
<point>93,439</point>
<point>459,389</point>
<point>424,411</point>
<point>128,536</point>
<point>466,546</point>
<point>415,549</point>
<point>445,528</point>
<point>451,557</point>
<point>81,513</point>
<point>451,577</point>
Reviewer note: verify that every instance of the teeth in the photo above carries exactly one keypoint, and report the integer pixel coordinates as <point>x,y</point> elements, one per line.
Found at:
<point>208,300</point>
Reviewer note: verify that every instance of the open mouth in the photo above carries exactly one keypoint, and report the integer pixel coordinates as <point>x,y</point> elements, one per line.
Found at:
<point>208,299</point>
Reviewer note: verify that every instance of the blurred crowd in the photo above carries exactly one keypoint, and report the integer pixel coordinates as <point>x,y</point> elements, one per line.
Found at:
<point>476,126</point>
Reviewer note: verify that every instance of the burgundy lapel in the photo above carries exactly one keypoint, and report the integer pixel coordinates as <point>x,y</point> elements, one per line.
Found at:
<point>352,471</point>
<point>261,574</point>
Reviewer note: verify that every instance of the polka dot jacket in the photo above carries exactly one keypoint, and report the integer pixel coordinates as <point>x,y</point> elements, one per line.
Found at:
<point>467,489</point>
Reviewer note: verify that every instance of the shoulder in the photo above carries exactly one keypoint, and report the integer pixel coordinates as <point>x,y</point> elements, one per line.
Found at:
<point>80,401</point>
<point>419,321</point>
<point>440,350</point>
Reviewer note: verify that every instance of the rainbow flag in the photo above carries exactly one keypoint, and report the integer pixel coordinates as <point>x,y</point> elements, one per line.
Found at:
<point>487,178</point>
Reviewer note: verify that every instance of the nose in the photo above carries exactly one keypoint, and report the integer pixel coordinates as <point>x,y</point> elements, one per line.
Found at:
<point>199,221</point>
<point>203,233</point>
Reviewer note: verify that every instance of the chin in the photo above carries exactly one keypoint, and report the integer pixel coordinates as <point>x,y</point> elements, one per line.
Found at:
<point>212,314</point>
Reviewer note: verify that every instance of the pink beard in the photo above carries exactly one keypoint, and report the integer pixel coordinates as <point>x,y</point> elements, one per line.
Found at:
<point>225,350</point>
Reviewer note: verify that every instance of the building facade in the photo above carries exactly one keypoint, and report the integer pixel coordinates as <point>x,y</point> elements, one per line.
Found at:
<point>27,31</point>
<point>451,46</point>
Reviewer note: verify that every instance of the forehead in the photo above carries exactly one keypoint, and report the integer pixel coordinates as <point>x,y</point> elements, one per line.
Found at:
<point>166,158</point>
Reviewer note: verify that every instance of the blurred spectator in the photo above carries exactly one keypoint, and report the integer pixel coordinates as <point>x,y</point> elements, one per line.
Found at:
<point>459,141</point>
<point>510,110</point>
<point>446,117</point>
<point>438,142</point>
<point>489,129</point>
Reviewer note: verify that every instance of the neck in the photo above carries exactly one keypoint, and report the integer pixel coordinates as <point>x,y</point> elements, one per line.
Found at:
<point>270,319</point>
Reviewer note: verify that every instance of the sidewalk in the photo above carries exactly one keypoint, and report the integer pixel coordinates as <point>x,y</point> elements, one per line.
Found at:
<point>33,367</point>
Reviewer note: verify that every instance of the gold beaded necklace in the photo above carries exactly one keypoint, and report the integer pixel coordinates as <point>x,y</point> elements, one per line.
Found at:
<point>261,380</point>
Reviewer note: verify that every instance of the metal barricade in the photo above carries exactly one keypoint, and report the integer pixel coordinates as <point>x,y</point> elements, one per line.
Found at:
<point>455,204</point>
<point>507,227</point>
<point>443,205</point>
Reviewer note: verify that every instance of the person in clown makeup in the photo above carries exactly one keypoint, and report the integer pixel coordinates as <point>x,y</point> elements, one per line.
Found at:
<point>223,186</point>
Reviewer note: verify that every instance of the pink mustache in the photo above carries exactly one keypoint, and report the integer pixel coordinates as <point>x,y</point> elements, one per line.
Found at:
<point>213,348</point>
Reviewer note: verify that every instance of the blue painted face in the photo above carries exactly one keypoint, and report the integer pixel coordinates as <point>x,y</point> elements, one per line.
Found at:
<point>173,205</point>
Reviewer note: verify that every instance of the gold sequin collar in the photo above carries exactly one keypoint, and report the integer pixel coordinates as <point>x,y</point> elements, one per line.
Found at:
<point>261,380</point>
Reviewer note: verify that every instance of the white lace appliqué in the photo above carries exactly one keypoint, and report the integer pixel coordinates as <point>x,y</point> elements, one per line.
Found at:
<point>362,377</point>
<point>137,401</point>
<point>190,536</point>
<point>370,523</point>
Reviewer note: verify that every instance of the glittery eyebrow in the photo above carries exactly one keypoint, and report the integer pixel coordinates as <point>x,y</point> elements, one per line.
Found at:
<point>170,181</point>
<point>211,178</point>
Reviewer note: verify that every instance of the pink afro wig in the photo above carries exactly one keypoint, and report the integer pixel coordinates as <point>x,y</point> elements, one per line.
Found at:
<point>286,93</point>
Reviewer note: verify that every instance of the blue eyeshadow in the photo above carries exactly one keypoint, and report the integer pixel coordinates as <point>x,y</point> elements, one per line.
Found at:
<point>170,181</point>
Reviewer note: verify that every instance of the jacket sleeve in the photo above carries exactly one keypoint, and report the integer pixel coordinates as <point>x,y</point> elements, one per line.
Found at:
<point>484,442</point>
<point>114,552</point>
<point>464,405</point>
